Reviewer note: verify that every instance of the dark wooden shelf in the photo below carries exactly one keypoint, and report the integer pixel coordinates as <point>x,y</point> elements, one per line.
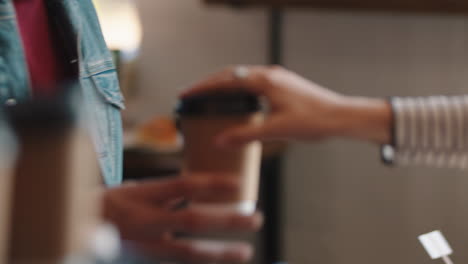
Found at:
<point>432,6</point>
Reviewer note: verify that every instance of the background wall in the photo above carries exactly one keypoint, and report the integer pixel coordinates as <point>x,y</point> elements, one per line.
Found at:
<point>341,205</point>
<point>185,41</point>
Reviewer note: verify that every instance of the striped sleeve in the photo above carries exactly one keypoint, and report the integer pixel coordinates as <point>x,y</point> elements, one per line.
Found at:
<point>431,131</point>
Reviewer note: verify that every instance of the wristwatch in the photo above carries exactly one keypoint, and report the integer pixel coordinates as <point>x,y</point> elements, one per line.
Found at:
<point>387,154</point>
<point>388,151</point>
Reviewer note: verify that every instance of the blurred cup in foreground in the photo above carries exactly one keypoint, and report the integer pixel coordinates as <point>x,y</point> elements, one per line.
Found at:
<point>8,153</point>
<point>56,185</point>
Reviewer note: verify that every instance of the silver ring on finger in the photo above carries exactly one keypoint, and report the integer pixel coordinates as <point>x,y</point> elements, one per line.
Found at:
<point>241,72</point>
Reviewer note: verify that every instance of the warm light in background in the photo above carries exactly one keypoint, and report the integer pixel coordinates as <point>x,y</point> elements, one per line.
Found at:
<point>120,23</point>
<point>123,33</point>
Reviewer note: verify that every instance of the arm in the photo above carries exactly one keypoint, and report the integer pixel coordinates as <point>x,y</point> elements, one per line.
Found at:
<point>420,130</point>
<point>367,119</point>
<point>301,109</point>
<point>431,131</point>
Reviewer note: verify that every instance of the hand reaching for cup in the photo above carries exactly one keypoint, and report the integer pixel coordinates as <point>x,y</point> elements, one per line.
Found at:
<point>300,109</point>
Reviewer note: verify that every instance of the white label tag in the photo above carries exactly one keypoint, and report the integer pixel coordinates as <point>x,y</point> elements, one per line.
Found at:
<point>435,244</point>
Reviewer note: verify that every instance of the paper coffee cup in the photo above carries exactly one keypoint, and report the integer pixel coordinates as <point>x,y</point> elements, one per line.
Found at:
<point>202,119</point>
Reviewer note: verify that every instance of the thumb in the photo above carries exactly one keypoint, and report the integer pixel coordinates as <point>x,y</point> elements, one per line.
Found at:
<point>242,135</point>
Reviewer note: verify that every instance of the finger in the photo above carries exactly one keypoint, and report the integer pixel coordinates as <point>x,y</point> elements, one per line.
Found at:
<point>241,135</point>
<point>197,251</point>
<point>205,220</point>
<point>149,223</point>
<point>226,81</point>
<point>193,187</point>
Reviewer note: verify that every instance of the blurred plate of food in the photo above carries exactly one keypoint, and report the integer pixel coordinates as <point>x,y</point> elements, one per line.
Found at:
<point>159,134</point>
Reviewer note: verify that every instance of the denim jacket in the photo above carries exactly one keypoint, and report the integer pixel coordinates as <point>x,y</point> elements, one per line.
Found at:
<point>97,77</point>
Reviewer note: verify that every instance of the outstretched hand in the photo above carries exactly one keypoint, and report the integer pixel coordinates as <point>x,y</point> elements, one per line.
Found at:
<point>300,109</point>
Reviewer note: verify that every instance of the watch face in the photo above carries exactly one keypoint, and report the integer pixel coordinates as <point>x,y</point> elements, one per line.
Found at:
<point>388,154</point>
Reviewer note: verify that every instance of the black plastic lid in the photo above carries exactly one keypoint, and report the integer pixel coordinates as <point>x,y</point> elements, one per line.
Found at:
<point>58,112</point>
<point>219,103</point>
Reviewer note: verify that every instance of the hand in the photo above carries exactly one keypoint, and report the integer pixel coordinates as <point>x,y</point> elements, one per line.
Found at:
<point>300,109</point>
<point>144,215</point>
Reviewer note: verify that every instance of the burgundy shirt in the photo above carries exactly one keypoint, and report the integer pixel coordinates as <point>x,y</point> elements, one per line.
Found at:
<point>45,67</point>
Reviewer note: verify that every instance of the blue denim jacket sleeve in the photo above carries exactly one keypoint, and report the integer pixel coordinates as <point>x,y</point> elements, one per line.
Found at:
<point>100,89</point>
<point>103,100</point>
<point>13,72</point>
